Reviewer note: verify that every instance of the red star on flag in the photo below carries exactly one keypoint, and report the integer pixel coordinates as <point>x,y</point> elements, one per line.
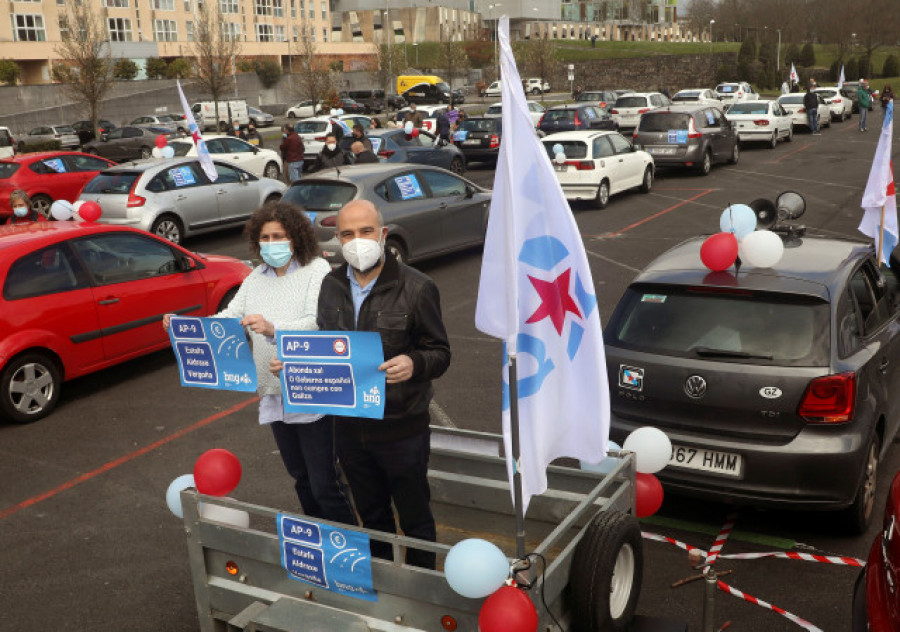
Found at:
<point>891,189</point>
<point>555,300</point>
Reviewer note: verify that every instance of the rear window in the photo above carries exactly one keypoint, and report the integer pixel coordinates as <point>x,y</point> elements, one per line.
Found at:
<point>65,129</point>
<point>479,125</point>
<point>631,102</point>
<point>114,183</point>
<point>495,109</point>
<point>310,127</point>
<point>726,89</point>
<point>792,100</point>
<point>559,115</point>
<point>320,196</point>
<point>749,108</point>
<point>181,148</point>
<point>573,149</point>
<point>664,121</point>
<point>7,169</point>
<point>828,94</point>
<point>722,325</point>
<point>686,96</point>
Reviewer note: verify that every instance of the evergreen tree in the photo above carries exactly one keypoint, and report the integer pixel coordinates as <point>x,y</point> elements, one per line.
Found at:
<point>808,55</point>
<point>891,67</point>
<point>851,70</point>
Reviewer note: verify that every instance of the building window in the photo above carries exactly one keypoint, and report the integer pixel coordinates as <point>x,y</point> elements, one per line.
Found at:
<point>187,6</point>
<point>324,11</point>
<point>164,5</point>
<point>265,33</point>
<point>29,27</point>
<point>189,31</point>
<point>229,6</point>
<point>296,34</point>
<point>270,7</point>
<point>312,9</point>
<point>231,31</point>
<point>115,4</point>
<point>165,31</point>
<point>279,34</point>
<point>119,29</point>
<point>324,35</point>
<point>293,8</point>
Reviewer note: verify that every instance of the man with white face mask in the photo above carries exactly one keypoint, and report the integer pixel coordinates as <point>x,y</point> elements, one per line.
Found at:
<point>387,460</point>
<point>331,155</point>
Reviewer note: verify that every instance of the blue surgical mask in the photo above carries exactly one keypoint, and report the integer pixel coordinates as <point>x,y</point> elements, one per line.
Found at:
<point>20,211</point>
<point>275,253</point>
<point>284,135</point>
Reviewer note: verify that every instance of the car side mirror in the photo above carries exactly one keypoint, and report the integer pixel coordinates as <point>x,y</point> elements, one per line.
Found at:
<point>470,191</point>
<point>186,264</point>
<point>255,149</point>
<point>637,147</point>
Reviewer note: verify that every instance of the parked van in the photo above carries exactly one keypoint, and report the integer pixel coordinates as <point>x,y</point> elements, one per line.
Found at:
<point>7,144</point>
<point>423,89</point>
<point>372,100</point>
<point>230,112</point>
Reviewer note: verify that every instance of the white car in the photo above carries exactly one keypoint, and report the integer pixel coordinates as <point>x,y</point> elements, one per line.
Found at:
<point>533,85</point>
<point>628,108</point>
<point>163,120</point>
<point>735,92</point>
<point>429,115</point>
<point>304,109</point>
<point>535,110</point>
<point>314,129</point>
<point>761,121</point>
<point>700,96</point>
<point>263,163</point>
<point>492,90</point>
<point>841,106</point>
<point>793,103</point>
<point>598,164</point>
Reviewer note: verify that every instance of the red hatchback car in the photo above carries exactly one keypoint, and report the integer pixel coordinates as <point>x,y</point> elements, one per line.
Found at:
<point>79,297</point>
<point>876,600</point>
<point>46,177</point>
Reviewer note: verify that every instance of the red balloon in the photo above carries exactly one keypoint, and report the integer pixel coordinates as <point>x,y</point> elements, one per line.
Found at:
<point>161,141</point>
<point>719,251</point>
<point>89,211</point>
<point>415,133</point>
<point>217,472</point>
<point>508,610</point>
<point>649,493</point>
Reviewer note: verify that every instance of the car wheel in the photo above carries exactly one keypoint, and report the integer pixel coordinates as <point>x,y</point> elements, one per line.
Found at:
<point>457,167</point>
<point>606,573</point>
<point>41,204</point>
<point>226,300</point>
<point>291,115</point>
<point>168,227</point>
<point>647,182</point>
<point>272,198</point>
<point>30,385</point>
<point>254,122</point>
<point>395,248</point>
<point>790,136</point>
<point>773,142</point>
<point>602,198</point>
<point>146,152</point>
<point>736,152</point>
<point>535,91</point>
<point>272,171</point>
<point>706,165</point>
<point>857,517</point>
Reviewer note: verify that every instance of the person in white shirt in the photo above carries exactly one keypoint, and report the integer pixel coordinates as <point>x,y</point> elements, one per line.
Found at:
<point>283,293</point>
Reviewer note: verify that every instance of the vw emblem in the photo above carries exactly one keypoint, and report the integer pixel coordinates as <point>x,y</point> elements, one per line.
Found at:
<point>695,387</point>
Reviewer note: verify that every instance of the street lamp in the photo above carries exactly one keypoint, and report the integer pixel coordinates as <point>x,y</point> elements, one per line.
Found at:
<point>416,47</point>
<point>491,7</point>
<point>389,32</point>
<point>778,52</point>
<point>711,22</point>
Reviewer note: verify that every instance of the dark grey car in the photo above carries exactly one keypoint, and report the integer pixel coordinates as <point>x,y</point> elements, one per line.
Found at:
<point>693,136</point>
<point>128,142</point>
<point>393,145</point>
<point>428,211</point>
<point>569,118</point>
<point>776,386</point>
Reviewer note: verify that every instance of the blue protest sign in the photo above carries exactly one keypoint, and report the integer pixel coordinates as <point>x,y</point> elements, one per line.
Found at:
<point>376,144</point>
<point>338,560</point>
<point>213,353</point>
<point>409,187</point>
<point>332,372</point>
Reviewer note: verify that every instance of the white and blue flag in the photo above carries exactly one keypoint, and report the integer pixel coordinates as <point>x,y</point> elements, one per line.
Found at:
<point>202,152</point>
<point>880,197</point>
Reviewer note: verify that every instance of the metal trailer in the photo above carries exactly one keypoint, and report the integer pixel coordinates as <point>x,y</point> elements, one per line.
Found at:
<point>583,526</point>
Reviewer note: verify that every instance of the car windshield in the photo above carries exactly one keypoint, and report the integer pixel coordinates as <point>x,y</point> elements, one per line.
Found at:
<point>631,102</point>
<point>559,115</point>
<point>590,96</point>
<point>478,125</point>
<point>792,99</point>
<point>573,149</point>
<point>726,88</point>
<point>686,96</point>
<point>7,169</point>
<point>828,94</point>
<point>730,325</point>
<point>112,183</point>
<point>443,87</point>
<point>749,108</point>
<point>319,195</point>
<point>664,121</point>
<point>495,109</point>
<point>65,129</point>
<point>165,118</point>
<point>310,127</point>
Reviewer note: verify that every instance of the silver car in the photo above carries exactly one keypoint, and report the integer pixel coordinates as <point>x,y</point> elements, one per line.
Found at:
<point>65,134</point>
<point>162,120</point>
<point>428,211</point>
<point>174,198</point>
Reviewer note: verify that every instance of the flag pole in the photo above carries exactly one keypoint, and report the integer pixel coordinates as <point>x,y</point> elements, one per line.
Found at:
<point>516,453</point>
<point>880,237</point>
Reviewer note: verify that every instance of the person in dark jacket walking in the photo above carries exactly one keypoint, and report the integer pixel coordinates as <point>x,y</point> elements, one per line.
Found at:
<point>331,156</point>
<point>443,129</point>
<point>362,155</point>
<point>387,460</point>
<point>252,136</point>
<point>359,134</point>
<point>292,151</point>
<point>811,103</point>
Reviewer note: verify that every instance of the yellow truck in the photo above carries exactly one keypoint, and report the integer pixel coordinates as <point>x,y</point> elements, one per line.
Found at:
<point>423,89</point>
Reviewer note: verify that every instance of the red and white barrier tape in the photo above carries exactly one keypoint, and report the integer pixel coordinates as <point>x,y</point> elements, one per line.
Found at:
<point>793,555</point>
<point>803,623</point>
<point>663,538</point>
<point>721,538</point>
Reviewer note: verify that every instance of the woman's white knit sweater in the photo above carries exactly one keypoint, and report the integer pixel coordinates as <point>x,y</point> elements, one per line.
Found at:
<point>289,302</point>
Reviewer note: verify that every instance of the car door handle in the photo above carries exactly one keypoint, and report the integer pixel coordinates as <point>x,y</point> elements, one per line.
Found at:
<point>180,197</point>
<point>442,205</point>
<point>883,365</point>
<point>621,160</point>
<point>221,191</point>
<point>108,301</point>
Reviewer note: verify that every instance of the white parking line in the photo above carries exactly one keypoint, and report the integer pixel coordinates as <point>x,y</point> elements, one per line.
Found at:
<point>613,261</point>
<point>809,180</point>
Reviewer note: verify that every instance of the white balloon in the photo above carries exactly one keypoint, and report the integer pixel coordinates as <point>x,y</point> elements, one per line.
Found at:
<point>156,152</point>
<point>61,210</point>
<point>332,112</point>
<point>167,152</point>
<point>560,158</point>
<point>762,249</point>
<point>225,515</point>
<point>408,127</point>
<point>173,493</point>
<point>651,447</point>
<point>340,112</point>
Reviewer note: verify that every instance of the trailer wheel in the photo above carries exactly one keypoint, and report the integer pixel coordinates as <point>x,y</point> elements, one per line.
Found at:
<point>605,578</point>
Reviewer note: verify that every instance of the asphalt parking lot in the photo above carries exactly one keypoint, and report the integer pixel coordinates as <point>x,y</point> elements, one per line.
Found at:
<point>90,545</point>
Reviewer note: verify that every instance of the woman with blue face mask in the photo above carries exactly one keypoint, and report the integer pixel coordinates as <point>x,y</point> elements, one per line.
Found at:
<point>283,293</point>
<point>22,212</point>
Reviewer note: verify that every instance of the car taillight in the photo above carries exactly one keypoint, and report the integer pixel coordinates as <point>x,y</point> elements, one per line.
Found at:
<point>613,111</point>
<point>329,221</point>
<point>541,122</point>
<point>692,131</point>
<point>386,153</point>
<point>761,122</point>
<point>603,104</point>
<point>577,120</point>
<point>495,141</point>
<point>581,165</point>
<point>642,110</point>
<point>829,399</point>
<point>135,200</point>
<point>12,143</point>
<point>320,139</point>
<point>802,110</point>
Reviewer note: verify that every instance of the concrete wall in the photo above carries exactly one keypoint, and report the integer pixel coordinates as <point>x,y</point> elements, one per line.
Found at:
<point>675,72</point>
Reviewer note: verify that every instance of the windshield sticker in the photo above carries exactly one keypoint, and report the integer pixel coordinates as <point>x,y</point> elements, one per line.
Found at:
<point>677,136</point>
<point>590,113</point>
<point>653,298</point>
<point>376,145</point>
<point>460,135</point>
<point>183,176</point>
<point>409,187</point>
<point>311,215</point>
<point>710,117</point>
<point>631,377</point>
<point>726,88</point>
<point>56,164</point>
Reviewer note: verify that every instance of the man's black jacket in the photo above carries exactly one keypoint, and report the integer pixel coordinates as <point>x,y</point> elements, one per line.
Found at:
<point>811,101</point>
<point>404,307</point>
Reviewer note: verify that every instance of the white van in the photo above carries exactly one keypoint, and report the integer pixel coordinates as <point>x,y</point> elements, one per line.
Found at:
<point>230,112</point>
<point>7,144</point>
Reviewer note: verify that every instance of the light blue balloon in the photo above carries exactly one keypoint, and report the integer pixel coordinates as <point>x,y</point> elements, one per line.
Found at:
<point>738,219</point>
<point>173,493</point>
<point>558,149</point>
<point>475,568</point>
<point>607,464</point>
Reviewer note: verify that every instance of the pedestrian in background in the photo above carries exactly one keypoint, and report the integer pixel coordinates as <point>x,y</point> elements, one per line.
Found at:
<point>252,136</point>
<point>292,151</point>
<point>453,116</point>
<point>887,95</point>
<point>359,135</point>
<point>443,129</point>
<point>22,213</point>
<point>811,103</point>
<point>414,116</point>
<point>282,293</point>
<point>864,102</point>
<point>362,155</point>
<point>331,155</point>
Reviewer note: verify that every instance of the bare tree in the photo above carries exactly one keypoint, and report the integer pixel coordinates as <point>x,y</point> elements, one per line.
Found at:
<point>536,57</point>
<point>87,70</point>
<point>216,49</point>
<point>453,60</point>
<point>877,23</point>
<point>317,80</point>
<point>389,60</point>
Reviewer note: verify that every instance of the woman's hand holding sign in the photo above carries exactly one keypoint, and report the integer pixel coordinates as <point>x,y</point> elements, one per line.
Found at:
<point>397,369</point>
<point>258,324</point>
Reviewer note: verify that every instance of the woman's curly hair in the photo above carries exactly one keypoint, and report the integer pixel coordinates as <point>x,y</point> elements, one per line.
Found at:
<point>296,224</point>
